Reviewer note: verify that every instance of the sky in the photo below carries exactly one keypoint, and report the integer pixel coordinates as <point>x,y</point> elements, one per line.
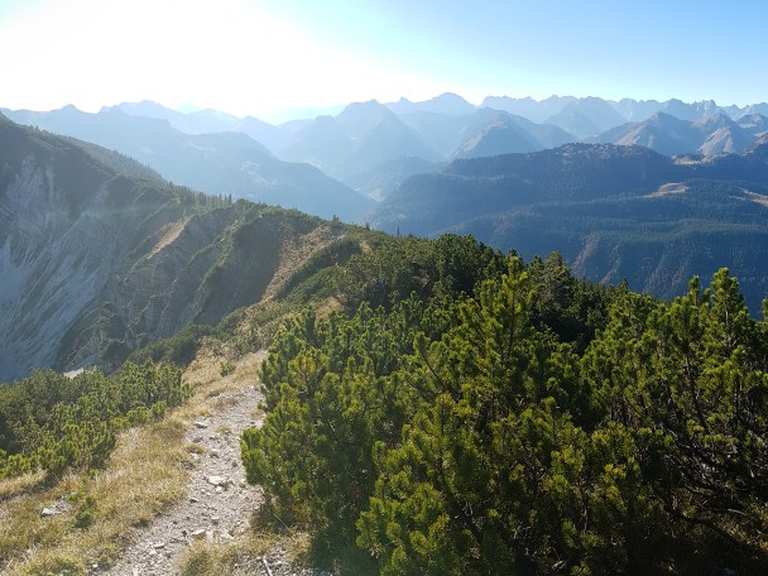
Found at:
<point>272,58</point>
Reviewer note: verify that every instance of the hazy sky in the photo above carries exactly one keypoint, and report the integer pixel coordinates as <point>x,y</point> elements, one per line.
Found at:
<point>262,56</point>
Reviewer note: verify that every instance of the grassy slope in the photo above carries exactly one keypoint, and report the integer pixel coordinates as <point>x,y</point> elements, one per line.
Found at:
<point>146,474</point>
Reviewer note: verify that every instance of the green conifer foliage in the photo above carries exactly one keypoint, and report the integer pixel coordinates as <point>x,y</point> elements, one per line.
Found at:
<point>527,424</point>
<point>51,422</point>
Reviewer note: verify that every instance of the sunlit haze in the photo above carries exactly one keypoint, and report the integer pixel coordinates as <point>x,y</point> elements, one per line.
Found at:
<point>265,58</point>
<point>233,55</point>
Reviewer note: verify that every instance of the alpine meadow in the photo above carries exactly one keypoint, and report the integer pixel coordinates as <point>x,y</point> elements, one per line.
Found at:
<point>383,288</point>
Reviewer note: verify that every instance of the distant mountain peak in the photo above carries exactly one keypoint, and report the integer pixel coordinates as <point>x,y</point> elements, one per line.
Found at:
<point>365,104</point>
<point>447,103</point>
<point>449,96</point>
<point>715,119</point>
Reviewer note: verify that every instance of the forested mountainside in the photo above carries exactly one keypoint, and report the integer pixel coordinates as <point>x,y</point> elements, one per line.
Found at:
<point>614,212</point>
<point>225,163</point>
<point>99,255</point>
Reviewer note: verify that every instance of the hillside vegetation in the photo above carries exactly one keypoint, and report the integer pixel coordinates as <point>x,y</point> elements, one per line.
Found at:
<point>475,415</point>
<point>52,422</point>
<point>441,408</point>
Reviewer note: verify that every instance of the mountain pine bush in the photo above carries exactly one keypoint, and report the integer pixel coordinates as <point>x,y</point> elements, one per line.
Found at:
<point>520,422</point>
<point>51,422</point>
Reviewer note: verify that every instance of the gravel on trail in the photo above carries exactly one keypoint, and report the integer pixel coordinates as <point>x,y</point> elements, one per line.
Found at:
<point>218,504</point>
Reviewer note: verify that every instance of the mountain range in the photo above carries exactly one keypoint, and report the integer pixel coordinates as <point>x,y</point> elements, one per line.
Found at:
<point>100,253</point>
<point>372,147</point>
<point>589,116</point>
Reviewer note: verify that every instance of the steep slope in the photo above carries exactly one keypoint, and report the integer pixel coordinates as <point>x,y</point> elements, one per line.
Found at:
<point>572,120</point>
<point>442,133</point>
<point>500,136</point>
<point>726,140</point>
<point>613,211</point>
<point>224,163</point>
<point>359,118</point>
<point>662,132</point>
<point>60,238</point>
<point>388,140</point>
<point>95,263</point>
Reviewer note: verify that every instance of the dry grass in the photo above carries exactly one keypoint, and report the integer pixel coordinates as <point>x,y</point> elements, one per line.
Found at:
<point>171,232</point>
<point>11,487</point>
<point>242,556</point>
<point>145,475</point>
<point>327,307</point>
<point>296,252</point>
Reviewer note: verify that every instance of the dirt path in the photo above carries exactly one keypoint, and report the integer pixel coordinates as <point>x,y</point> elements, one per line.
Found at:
<point>218,503</point>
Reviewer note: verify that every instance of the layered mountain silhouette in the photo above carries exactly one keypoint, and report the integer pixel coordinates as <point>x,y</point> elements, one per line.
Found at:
<point>206,121</point>
<point>368,143</point>
<point>491,133</point>
<point>614,212</point>
<point>710,135</point>
<point>225,163</point>
<point>372,147</point>
<point>585,117</point>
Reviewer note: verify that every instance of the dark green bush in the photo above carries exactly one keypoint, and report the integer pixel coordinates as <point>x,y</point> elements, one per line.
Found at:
<point>532,424</point>
<point>52,422</point>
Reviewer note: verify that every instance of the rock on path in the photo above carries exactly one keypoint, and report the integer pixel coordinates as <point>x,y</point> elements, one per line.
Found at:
<point>218,503</point>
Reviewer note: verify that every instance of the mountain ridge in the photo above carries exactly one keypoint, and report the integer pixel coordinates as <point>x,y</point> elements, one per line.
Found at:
<point>97,262</point>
